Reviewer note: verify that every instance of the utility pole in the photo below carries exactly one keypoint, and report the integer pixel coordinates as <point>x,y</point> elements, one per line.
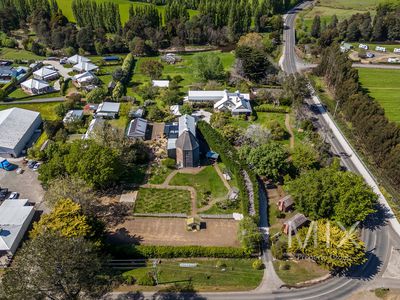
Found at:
<point>155,271</point>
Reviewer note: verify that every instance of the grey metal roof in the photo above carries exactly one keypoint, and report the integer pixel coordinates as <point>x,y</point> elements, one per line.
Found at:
<point>187,122</point>
<point>14,123</point>
<point>137,128</point>
<point>13,216</point>
<point>187,141</point>
<point>108,107</point>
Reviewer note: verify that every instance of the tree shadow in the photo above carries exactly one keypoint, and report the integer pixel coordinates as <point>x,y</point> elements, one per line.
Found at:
<point>366,271</point>
<point>377,219</point>
<point>178,292</point>
<point>114,213</point>
<point>128,296</point>
<point>123,236</point>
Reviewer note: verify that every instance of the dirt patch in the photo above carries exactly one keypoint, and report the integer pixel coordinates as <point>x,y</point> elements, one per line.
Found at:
<point>172,231</point>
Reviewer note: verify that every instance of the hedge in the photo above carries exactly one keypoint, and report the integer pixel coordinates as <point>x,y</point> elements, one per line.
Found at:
<point>231,159</point>
<point>271,108</point>
<point>127,67</point>
<point>151,251</point>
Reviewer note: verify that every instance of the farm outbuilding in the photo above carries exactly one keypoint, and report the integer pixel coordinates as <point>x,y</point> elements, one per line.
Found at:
<point>17,128</point>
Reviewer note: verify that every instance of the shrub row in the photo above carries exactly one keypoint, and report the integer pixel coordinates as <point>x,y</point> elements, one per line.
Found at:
<point>231,159</point>
<point>148,251</point>
<point>127,67</point>
<point>271,108</point>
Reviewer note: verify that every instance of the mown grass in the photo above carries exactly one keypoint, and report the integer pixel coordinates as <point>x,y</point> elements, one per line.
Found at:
<point>46,110</point>
<point>263,119</point>
<point>299,271</point>
<point>205,182</point>
<point>234,275</point>
<point>10,53</point>
<point>151,200</point>
<point>383,85</point>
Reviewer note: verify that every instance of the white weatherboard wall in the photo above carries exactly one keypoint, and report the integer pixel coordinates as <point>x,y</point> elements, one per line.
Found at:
<point>358,163</point>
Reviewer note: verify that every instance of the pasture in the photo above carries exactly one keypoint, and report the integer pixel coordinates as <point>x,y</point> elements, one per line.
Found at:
<point>66,7</point>
<point>383,85</point>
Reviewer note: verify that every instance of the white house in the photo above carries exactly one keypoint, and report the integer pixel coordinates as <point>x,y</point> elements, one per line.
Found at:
<point>108,110</point>
<point>73,116</point>
<point>396,50</point>
<point>236,102</point>
<point>15,218</point>
<point>85,79</point>
<point>160,83</point>
<point>17,128</point>
<point>46,73</point>
<point>76,59</point>
<point>84,67</point>
<point>35,86</point>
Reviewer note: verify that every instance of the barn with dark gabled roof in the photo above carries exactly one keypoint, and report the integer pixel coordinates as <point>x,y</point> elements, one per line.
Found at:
<point>187,150</point>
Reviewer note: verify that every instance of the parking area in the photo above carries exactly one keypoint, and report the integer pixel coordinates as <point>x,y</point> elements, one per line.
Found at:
<point>172,231</point>
<point>26,184</point>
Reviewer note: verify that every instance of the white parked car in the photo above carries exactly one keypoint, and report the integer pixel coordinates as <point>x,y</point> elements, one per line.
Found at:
<point>19,171</point>
<point>36,167</point>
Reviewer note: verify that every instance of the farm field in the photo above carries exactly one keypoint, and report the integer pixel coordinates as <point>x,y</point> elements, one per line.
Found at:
<point>162,201</point>
<point>236,274</point>
<point>66,7</point>
<point>383,85</point>
<point>47,110</point>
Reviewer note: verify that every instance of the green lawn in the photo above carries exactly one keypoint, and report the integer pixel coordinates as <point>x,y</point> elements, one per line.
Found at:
<point>263,118</point>
<point>19,94</point>
<point>299,271</point>
<point>123,118</point>
<point>162,201</point>
<point>205,182</point>
<point>384,86</point>
<point>9,53</point>
<point>66,7</point>
<point>46,109</point>
<point>184,68</point>
<point>236,275</point>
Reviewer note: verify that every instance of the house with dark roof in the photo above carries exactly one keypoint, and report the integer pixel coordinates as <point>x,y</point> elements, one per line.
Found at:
<point>187,146</point>
<point>187,150</point>
<point>294,223</point>
<point>137,129</point>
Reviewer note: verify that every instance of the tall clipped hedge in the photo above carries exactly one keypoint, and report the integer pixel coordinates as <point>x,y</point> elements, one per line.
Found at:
<point>127,67</point>
<point>231,159</point>
<point>151,251</point>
